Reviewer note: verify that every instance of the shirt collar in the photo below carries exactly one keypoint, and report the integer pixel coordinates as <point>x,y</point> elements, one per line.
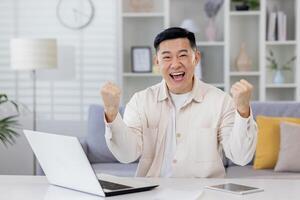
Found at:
<point>197,94</point>
<point>163,91</point>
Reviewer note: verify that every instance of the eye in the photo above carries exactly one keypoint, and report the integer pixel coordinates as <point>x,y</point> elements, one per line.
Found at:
<point>183,55</point>
<point>166,57</point>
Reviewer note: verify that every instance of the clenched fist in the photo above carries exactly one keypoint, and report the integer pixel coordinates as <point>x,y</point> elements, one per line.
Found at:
<point>111,95</point>
<point>241,92</point>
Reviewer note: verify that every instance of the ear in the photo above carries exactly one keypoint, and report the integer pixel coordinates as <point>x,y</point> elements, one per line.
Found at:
<point>197,57</point>
<point>155,59</point>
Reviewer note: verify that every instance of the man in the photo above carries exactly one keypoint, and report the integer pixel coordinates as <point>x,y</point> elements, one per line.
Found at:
<point>179,127</point>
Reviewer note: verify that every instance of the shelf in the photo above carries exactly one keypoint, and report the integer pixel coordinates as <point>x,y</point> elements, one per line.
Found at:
<point>132,14</point>
<point>207,43</point>
<point>244,13</point>
<point>218,57</point>
<point>283,85</point>
<point>288,42</point>
<point>218,85</point>
<point>130,74</point>
<point>246,73</point>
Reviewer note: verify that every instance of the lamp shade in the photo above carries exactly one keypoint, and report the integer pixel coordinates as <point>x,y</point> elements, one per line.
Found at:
<point>32,54</point>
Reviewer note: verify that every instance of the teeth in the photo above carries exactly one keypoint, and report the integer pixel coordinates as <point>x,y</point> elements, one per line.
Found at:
<point>176,73</point>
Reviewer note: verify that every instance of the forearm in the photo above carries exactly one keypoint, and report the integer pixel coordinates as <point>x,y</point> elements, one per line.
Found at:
<point>124,142</point>
<point>241,143</point>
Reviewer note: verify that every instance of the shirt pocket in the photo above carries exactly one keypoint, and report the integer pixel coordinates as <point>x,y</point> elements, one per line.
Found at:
<point>149,142</point>
<point>205,145</point>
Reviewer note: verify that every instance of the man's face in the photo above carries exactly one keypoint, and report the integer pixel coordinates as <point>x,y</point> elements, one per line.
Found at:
<point>177,61</point>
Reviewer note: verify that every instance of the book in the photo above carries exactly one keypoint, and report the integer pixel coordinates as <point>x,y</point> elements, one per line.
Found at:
<point>281,26</point>
<point>272,27</point>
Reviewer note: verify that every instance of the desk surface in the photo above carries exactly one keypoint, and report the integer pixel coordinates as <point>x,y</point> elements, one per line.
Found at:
<point>37,188</point>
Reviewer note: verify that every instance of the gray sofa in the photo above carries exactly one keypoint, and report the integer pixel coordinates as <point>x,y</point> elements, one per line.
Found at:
<point>103,161</point>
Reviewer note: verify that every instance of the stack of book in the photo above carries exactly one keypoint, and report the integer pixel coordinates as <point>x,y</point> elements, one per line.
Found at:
<point>276,26</point>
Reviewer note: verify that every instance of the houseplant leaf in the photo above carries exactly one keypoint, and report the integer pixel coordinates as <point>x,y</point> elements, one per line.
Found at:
<point>8,124</point>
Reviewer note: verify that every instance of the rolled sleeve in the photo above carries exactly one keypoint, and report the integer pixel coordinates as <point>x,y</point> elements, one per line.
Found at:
<point>245,125</point>
<point>123,136</point>
<point>243,140</point>
<point>238,134</point>
<point>113,125</point>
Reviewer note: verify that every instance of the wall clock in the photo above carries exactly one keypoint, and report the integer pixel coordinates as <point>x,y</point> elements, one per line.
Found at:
<point>75,14</point>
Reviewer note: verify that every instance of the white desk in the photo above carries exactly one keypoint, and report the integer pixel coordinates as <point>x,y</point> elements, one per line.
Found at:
<point>37,188</point>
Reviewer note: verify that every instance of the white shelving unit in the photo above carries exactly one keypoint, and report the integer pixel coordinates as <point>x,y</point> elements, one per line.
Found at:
<point>139,28</point>
<point>141,75</point>
<point>250,73</point>
<point>125,15</point>
<point>245,13</point>
<point>205,43</point>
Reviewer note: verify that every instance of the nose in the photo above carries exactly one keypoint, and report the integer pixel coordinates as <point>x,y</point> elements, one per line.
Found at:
<point>175,63</point>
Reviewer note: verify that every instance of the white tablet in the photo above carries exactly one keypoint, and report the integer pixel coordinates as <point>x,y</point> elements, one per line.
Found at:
<point>235,188</point>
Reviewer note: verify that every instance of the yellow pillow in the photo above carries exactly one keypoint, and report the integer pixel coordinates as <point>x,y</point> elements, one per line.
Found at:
<point>268,140</point>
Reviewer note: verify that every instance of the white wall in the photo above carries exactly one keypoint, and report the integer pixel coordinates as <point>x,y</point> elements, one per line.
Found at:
<point>66,98</point>
<point>63,95</point>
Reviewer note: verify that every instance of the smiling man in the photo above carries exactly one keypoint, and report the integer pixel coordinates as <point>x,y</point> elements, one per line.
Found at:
<point>182,126</point>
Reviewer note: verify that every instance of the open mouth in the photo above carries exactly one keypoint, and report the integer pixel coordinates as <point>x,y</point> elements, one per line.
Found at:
<point>177,76</point>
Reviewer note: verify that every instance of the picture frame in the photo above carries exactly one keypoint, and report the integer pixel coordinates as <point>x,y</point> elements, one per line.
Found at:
<point>141,59</point>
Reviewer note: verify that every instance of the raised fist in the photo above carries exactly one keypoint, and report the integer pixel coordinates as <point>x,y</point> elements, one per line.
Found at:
<point>241,92</point>
<point>111,95</point>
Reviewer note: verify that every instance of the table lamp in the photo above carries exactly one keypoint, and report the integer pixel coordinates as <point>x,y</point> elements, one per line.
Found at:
<point>32,55</point>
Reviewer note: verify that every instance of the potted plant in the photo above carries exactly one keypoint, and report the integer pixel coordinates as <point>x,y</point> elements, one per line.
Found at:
<point>8,124</point>
<point>274,66</point>
<point>242,5</point>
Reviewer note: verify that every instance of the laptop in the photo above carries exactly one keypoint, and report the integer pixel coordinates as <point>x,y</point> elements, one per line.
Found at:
<point>65,164</point>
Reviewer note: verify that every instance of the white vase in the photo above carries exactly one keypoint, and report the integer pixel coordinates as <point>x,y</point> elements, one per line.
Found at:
<point>278,77</point>
<point>211,30</point>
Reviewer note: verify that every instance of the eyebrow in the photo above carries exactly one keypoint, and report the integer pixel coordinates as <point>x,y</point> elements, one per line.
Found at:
<point>165,52</point>
<point>183,50</point>
<point>180,51</point>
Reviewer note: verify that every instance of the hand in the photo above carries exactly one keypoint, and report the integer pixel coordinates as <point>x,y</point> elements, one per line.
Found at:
<point>111,94</point>
<point>241,92</point>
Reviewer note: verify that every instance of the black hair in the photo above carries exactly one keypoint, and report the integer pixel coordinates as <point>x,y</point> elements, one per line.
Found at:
<point>174,33</point>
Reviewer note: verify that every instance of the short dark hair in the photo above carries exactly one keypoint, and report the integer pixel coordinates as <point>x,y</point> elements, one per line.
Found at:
<point>174,33</point>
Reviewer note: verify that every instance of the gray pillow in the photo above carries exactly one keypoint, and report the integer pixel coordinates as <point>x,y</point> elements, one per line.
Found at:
<point>97,150</point>
<point>289,148</point>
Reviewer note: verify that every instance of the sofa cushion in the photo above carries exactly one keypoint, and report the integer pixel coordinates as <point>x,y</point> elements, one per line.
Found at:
<point>116,169</point>
<point>249,172</point>
<point>97,150</point>
<point>289,148</point>
<point>268,141</point>
<point>275,109</point>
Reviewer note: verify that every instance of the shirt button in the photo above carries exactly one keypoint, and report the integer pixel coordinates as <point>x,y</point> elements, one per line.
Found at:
<point>178,135</point>
<point>174,161</point>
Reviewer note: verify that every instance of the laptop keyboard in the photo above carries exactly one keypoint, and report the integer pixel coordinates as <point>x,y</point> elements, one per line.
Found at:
<point>112,186</point>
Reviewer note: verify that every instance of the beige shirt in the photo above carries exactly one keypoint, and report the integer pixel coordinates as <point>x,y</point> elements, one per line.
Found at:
<point>206,124</point>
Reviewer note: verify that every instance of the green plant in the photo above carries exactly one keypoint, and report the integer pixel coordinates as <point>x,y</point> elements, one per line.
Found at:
<point>274,64</point>
<point>253,4</point>
<point>8,124</point>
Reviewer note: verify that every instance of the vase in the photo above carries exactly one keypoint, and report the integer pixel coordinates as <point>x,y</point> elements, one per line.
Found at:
<point>278,77</point>
<point>211,30</point>
<point>243,62</point>
<point>141,5</point>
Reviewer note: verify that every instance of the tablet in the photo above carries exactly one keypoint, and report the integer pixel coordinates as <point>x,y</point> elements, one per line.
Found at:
<point>235,188</point>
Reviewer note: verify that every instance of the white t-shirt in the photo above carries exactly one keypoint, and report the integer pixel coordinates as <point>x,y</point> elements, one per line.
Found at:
<point>170,148</point>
